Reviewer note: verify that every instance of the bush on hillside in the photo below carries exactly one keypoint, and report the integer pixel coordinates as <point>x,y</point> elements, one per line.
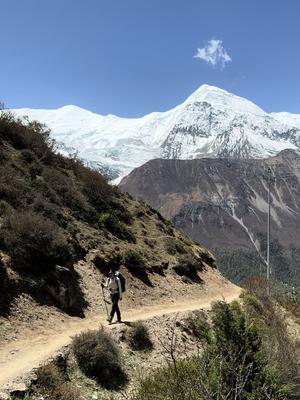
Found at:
<point>13,189</point>
<point>45,208</point>
<point>27,135</point>
<point>174,246</point>
<point>188,266</point>
<point>110,221</point>
<point>99,358</point>
<point>139,337</point>
<point>96,188</point>
<point>49,376</point>
<point>34,243</point>
<point>52,383</point>
<point>65,189</point>
<point>135,262</point>
<point>279,346</point>
<point>121,212</point>
<point>196,324</point>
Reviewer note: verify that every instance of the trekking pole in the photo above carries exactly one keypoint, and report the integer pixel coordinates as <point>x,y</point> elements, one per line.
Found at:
<point>104,301</point>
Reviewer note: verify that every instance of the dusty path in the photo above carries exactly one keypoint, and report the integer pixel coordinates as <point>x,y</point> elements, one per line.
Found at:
<point>18,358</point>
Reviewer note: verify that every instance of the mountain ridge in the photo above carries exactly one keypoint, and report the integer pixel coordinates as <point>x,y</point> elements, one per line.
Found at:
<point>211,122</point>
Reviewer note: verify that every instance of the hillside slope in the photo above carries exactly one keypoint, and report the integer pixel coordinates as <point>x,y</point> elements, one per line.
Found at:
<point>62,227</point>
<point>222,203</point>
<point>210,123</point>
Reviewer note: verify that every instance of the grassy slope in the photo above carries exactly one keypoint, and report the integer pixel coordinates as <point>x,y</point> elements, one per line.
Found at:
<point>54,210</point>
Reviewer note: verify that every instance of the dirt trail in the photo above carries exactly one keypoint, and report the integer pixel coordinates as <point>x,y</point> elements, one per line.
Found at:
<point>18,358</point>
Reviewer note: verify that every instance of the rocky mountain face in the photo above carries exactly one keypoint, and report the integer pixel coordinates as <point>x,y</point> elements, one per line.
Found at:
<point>209,123</point>
<point>222,203</point>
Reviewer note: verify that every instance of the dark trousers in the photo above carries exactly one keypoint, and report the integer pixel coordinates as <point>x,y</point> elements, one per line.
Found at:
<point>115,307</point>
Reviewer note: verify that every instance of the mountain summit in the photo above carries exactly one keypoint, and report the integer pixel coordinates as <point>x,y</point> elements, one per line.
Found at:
<point>222,99</point>
<point>210,123</point>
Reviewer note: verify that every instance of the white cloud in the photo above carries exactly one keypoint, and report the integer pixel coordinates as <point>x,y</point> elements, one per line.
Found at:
<point>214,53</point>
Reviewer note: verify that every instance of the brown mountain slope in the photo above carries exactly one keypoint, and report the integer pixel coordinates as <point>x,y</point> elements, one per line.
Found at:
<point>222,203</point>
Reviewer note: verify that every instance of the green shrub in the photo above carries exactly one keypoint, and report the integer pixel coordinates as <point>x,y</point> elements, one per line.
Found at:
<point>277,343</point>
<point>139,336</point>
<point>35,243</point>
<point>171,383</point>
<point>26,135</point>
<point>65,189</point>
<point>49,376</point>
<point>99,358</point>
<point>188,266</point>
<point>232,366</point>
<point>174,246</point>
<point>196,323</point>
<point>117,228</point>
<point>125,233</point>
<point>121,212</point>
<point>13,188</point>
<point>52,383</point>
<point>135,262</point>
<point>96,188</point>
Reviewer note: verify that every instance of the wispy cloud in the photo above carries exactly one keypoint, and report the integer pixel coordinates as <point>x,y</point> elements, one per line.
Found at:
<point>214,53</point>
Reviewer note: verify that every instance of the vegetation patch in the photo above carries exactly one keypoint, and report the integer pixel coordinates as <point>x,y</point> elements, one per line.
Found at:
<point>233,365</point>
<point>99,358</point>
<point>135,262</point>
<point>188,266</point>
<point>282,351</point>
<point>139,337</point>
<point>34,242</point>
<point>117,228</point>
<point>52,383</point>
<point>174,246</point>
<point>197,325</point>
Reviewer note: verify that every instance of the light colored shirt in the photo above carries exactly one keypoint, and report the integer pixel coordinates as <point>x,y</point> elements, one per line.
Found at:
<point>114,285</point>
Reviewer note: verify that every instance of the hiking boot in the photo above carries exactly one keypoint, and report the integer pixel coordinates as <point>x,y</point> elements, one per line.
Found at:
<point>109,321</point>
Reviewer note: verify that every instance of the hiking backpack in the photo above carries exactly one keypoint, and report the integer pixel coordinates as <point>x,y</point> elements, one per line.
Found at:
<point>122,281</point>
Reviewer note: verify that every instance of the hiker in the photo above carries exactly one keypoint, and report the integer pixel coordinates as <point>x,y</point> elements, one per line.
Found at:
<point>114,285</point>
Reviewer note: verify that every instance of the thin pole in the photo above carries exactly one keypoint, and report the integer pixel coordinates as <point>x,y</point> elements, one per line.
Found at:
<point>104,301</point>
<point>268,233</point>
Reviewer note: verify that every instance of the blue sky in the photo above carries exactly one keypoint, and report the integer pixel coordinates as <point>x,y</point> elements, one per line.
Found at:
<point>132,57</point>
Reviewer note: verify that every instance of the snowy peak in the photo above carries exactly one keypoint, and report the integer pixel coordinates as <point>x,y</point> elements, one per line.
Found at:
<point>210,123</point>
<point>222,99</point>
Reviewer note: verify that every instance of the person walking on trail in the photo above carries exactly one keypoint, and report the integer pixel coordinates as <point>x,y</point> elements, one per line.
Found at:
<point>113,284</point>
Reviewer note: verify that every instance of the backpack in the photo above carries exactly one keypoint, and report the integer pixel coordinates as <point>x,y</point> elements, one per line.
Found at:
<point>122,281</point>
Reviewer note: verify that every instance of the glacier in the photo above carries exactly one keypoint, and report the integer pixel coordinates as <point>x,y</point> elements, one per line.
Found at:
<point>210,123</point>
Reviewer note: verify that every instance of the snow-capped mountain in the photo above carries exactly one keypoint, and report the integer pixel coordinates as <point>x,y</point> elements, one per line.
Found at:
<point>210,123</point>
